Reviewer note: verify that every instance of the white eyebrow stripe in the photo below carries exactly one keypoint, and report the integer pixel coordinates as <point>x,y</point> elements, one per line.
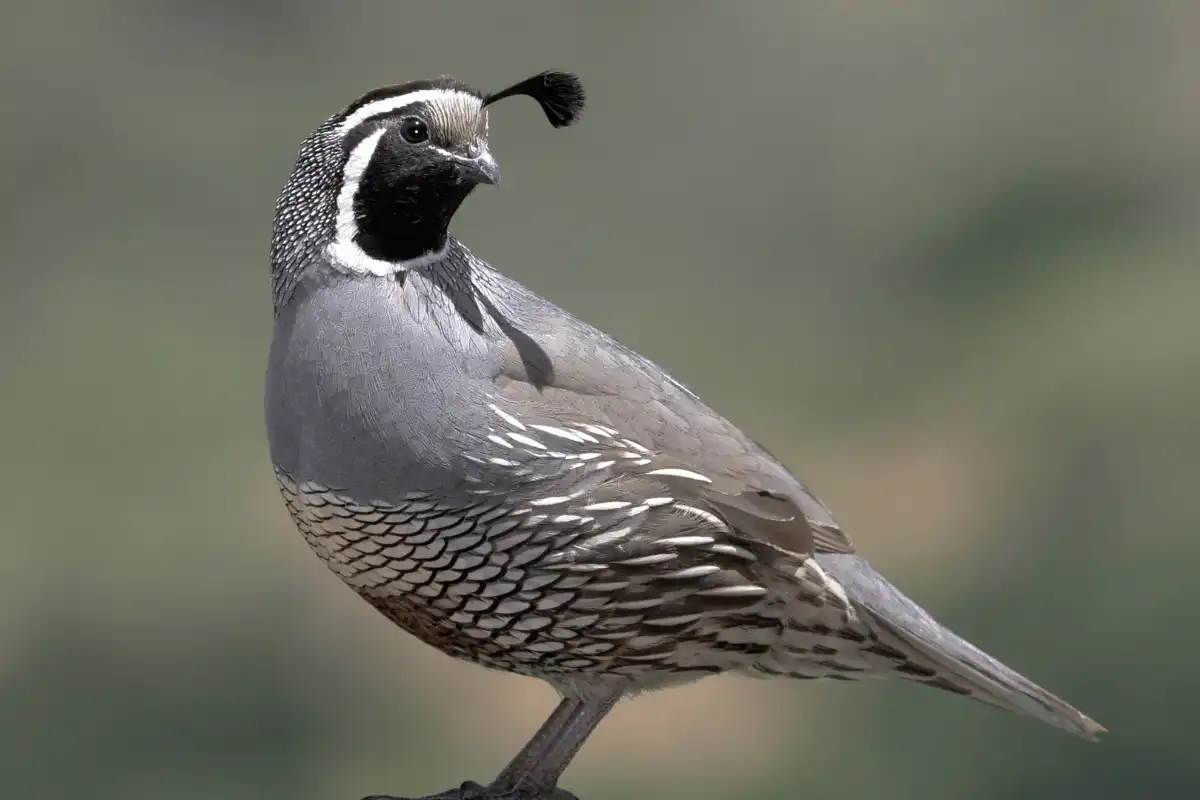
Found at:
<point>389,104</point>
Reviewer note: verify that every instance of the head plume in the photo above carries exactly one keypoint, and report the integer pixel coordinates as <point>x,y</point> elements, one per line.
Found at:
<point>560,94</point>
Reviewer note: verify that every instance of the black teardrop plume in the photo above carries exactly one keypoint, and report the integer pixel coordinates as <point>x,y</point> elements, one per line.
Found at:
<point>560,94</point>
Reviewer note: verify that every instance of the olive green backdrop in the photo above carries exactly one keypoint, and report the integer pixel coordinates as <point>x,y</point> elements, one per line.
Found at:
<point>942,258</point>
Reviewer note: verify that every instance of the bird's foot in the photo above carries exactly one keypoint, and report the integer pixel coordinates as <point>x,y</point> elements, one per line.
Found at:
<point>474,791</point>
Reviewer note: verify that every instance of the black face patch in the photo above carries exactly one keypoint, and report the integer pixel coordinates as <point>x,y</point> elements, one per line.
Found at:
<point>405,199</point>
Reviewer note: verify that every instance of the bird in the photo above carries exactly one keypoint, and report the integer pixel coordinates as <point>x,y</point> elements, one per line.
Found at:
<point>521,491</point>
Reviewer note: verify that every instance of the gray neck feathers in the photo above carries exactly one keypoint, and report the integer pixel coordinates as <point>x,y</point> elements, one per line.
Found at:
<point>306,211</point>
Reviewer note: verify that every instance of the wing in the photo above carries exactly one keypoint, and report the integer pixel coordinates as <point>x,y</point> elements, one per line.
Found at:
<point>568,548</point>
<point>573,459</point>
<point>651,552</point>
<point>608,385</point>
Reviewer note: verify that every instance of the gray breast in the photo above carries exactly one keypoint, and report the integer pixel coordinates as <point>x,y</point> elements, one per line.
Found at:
<point>372,386</point>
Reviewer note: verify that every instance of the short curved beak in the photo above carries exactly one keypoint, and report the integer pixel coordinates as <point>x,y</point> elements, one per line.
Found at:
<point>485,167</point>
<point>478,163</point>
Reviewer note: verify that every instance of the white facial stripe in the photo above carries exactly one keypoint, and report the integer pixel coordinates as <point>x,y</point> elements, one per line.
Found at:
<point>429,96</point>
<point>343,252</point>
<point>352,174</point>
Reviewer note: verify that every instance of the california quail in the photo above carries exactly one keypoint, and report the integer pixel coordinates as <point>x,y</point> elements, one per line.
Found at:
<point>516,488</point>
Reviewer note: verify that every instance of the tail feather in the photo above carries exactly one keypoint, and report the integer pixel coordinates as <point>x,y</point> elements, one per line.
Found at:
<point>911,629</point>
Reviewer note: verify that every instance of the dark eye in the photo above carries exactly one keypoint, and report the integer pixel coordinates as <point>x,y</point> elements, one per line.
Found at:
<point>414,130</point>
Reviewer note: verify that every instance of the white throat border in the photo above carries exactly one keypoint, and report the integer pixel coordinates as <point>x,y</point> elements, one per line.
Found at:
<point>343,252</point>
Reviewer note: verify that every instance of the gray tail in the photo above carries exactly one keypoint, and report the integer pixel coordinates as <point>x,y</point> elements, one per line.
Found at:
<point>964,667</point>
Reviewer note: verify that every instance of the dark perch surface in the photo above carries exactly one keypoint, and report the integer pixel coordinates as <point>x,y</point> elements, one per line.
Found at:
<point>474,791</point>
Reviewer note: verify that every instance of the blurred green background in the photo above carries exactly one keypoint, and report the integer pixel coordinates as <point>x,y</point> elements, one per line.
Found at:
<point>942,258</point>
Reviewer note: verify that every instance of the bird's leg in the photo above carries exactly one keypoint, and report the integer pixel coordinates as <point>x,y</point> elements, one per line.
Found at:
<point>537,767</point>
<point>533,774</point>
<point>534,749</point>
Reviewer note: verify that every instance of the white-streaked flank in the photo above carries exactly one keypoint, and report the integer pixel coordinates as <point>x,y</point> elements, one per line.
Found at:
<point>688,573</point>
<point>703,514</point>
<point>563,433</point>
<point>608,505</point>
<point>680,473</point>
<point>832,585</point>
<point>553,501</point>
<point>605,538</point>
<point>528,441</point>
<point>741,590</point>
<point>685,541</point>
<point>646,560</point>
<point>507,417</point>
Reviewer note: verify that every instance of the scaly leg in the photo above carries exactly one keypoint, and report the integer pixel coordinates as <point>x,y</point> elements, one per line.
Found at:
<point>534,773</point>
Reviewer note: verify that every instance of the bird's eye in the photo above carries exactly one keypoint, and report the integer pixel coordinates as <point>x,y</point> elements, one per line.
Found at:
<point>414,130</point>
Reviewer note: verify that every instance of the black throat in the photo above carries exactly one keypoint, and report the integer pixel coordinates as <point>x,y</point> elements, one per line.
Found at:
<point>403,209</point>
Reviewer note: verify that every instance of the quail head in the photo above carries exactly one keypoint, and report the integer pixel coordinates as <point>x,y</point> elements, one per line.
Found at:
<point>516,488</point>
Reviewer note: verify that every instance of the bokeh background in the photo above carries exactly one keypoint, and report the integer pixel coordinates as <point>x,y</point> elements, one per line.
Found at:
<point>941,257</point>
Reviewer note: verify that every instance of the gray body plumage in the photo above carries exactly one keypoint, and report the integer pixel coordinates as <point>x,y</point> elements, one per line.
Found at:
<point>519,490</point>
<point>459,388</point>
<point>401,397</point>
